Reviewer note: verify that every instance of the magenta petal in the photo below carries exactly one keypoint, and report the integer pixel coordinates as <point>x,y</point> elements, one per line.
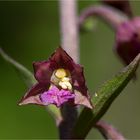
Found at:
<point>32,96</point>
<point>82,100</point>
<point>56,96</point>
<point>62,59</point>
<point>43,71</point>
<point>128,40</point>
<point>65,95</point>
<point>50,96</point>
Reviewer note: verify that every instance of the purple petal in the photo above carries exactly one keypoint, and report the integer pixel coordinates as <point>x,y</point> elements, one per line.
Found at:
<point>136,22</point>
<point>32,96</point>
<point>80,99</point>
<point>62,59</point>
<point>128,40</point>
<point>125,32</point>
<point>76,71</point>
<point>80,89</point>
<point>65,95</point>
<point>50,96</point>
<point>43,71</point>
<point>47,98</point>
<point>59,59</point>
<point>56,96</point>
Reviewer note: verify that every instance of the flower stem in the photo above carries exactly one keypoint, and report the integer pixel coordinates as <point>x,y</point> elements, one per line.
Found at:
<point>111,15</point>
<point>69,42</point>
<point>69,30</point>
<point>122,5</point>
<point>108,131</point>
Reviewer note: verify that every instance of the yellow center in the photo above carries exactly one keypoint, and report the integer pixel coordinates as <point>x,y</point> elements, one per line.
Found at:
<point>60,73</point>
<point>64,79</point>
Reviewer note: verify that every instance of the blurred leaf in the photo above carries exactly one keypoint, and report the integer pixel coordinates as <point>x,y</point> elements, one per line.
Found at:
<point>89,24</point>
<point>30,81</point>
<point>26,75</point>
<point>108,131</point>
<point>103,98</point>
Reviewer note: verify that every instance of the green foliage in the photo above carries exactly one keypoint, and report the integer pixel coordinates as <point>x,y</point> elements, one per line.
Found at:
<point>29,79</point>
<point>103,98</point>
<point>26,75</point>
<point>89,24</point>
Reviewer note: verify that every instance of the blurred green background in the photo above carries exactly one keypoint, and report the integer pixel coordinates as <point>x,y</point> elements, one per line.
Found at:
<point>29,31</point>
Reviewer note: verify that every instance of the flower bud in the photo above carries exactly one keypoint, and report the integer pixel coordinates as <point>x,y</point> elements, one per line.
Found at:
<point>128,40</point>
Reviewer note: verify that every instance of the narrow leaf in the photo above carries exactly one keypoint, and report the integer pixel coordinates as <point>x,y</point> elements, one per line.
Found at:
<point>26,75</point>
<point>103,98</point>
<point>108,131</point>
<point>29,80</point>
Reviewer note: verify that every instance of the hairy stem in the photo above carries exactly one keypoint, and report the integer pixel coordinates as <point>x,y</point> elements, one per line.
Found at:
<point>110,15</point>
<point>122,5</point>
<point>69,42</point>
<point>69,30</point>
<point>108,131</point>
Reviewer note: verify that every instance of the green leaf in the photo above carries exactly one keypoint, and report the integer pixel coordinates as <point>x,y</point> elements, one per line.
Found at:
<point>103,98</point>
<point>89,24</point>
<point>29,79</point>
<point>25,74</point>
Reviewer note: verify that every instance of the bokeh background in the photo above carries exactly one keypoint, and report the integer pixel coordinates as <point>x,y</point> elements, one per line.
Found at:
<point>29,31</point>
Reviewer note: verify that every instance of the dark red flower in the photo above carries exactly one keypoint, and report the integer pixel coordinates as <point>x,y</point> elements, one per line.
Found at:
<point>128,40</point>
<point>60,80</point>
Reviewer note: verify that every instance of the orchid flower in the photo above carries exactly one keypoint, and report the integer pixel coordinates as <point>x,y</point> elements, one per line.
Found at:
<point>60,80</point>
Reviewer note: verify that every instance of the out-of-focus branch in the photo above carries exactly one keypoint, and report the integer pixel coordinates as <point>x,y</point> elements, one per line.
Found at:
<point>122,5</point>
<point>70,43</point>
<point>108,131</point>
<point>110,15</point>
<point>69,30</point>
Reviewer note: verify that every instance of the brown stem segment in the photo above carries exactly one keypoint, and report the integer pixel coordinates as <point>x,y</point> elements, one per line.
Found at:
<point>108,131</point>
<point>122,5</point>
<point>69,30</point>
<point>69,115</point>
<point>110,15</point>
<point>70,43</point>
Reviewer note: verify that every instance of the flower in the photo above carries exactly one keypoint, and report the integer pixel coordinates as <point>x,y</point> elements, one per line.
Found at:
<point>128,39</point>
<point>60,80</point>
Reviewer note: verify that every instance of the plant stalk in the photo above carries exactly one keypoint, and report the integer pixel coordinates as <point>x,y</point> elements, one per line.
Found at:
<point>70,43</point>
